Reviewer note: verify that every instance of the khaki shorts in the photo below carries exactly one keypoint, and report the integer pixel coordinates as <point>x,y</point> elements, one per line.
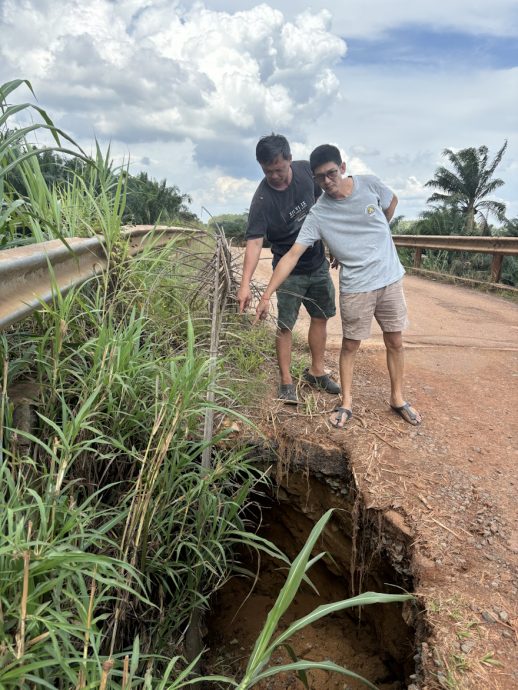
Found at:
<point>387,305</point>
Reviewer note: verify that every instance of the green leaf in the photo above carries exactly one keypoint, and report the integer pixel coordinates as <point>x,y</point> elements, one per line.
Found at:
<point>360,600</point>
<point>311,666</point>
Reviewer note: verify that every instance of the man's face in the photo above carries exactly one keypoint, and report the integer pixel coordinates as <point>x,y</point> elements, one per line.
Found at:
<point>278,172</point>
<point>329,177</point>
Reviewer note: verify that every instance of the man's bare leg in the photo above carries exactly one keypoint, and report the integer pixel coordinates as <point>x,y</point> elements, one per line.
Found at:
<point>283,340</point>
<point>347,358</point>
<point>317,335</point>
<point>396,369</point>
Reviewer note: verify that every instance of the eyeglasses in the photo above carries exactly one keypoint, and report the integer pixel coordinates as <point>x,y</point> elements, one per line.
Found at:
<point>332,174</point>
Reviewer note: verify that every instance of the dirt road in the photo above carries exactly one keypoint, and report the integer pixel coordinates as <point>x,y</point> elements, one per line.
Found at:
<point>461,367</point>
<point>453,479</point>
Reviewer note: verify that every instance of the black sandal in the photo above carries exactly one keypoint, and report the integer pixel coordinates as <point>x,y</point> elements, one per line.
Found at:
<point>407,413</point>
<point>342,412</point>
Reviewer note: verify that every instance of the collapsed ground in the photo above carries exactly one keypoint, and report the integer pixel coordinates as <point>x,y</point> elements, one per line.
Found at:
<point>447,488</point>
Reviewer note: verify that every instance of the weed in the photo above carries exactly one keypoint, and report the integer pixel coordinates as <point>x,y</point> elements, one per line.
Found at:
<point>489,660</point>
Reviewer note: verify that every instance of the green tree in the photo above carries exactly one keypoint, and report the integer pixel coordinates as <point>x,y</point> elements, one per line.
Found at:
<point>511,227</point>
<point>149,201</point>
<point>396,225</point>
<point>233,224</point>
<point>469,184</point>
<point>441,220</point>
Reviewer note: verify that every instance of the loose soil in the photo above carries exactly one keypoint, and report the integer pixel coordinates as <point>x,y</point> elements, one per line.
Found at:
<point>448,485</point>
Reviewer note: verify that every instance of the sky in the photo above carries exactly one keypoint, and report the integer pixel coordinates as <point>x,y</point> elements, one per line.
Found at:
<point>183,90</point>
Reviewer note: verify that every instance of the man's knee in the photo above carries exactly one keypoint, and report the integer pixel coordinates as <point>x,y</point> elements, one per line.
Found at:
<point>350,346</point>
<point>394,340</point>
<point>318,322</point>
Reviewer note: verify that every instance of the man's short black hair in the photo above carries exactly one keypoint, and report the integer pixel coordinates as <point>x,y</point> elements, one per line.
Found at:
<point>270,147</point>
<point>326,153</point>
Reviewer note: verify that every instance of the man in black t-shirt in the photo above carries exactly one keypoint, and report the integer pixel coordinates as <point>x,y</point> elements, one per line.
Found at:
<point>279,207</point>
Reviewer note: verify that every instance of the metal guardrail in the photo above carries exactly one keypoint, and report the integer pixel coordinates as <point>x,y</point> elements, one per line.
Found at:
<point>498,247</point>
<point>31,274</point>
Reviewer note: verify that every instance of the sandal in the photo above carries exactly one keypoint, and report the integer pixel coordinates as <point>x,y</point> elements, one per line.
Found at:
<point>405,411</point>
<point>342,412</point>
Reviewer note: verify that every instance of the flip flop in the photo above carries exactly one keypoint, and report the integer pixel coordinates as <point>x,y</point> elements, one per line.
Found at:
<point>342,412</point>
<point>405,411</point>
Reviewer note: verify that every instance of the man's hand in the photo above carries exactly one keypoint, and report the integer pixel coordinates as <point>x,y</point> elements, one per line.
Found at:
<point>262,310</point>
<point>244,296</point>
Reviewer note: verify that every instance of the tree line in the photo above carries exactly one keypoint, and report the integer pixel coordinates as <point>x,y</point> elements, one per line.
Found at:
<point>148,201</point>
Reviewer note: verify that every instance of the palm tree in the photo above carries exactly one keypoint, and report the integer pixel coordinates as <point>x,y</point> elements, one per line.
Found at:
<point>467,187</point>
<point>440,220</point>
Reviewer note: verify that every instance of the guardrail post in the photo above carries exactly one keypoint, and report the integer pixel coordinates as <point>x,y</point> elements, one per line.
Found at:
<point>417,257</point>
<point>496,267</point>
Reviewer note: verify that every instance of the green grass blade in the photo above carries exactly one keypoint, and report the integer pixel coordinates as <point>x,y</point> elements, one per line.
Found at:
<point>309,666</point>
<point>296,574</point>
<point>326,609</point>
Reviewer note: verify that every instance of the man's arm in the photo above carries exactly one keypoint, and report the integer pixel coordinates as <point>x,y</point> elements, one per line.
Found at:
<point>389,211</point>
<point>252,255</point>
<point>281,272</point>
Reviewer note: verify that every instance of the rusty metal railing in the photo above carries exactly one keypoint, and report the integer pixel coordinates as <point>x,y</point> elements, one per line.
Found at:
<point>498,247</point>
<point>31,274</point>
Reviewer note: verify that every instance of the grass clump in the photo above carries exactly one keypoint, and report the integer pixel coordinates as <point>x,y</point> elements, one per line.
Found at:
<point>112,528</point>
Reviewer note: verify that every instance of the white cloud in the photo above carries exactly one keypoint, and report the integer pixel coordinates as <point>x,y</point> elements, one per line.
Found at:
<point>228,192</point>
<point>409,118</point>
<point>372,17</point>
<point>187,88</point>
<point>170,74</point>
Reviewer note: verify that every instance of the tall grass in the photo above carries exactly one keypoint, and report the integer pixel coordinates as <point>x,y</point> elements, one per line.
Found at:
<point>113,480</point>
<point>91,202</point>
<point>17,153</point>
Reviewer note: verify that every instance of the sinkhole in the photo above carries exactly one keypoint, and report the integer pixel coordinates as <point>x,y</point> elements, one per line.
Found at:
<point>368,550</point>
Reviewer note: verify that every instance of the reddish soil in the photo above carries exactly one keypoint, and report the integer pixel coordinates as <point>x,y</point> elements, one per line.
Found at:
<point>451,482</point>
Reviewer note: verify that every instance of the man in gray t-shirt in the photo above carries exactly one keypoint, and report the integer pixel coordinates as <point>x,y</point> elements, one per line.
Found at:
<point>352,218</point>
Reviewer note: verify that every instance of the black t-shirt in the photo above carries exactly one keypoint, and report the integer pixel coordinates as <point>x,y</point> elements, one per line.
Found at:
<point>279,215</point>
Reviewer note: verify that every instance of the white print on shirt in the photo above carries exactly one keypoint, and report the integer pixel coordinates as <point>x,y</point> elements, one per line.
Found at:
<point>298,211</point>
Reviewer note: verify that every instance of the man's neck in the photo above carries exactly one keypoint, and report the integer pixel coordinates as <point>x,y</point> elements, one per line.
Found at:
<point>345,188</point>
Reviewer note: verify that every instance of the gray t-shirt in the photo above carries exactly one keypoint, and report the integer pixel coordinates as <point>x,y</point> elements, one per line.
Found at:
<point>358,234</point>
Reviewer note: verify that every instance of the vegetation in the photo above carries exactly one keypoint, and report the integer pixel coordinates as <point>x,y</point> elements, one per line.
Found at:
<point>149,202</point>
<point>467,187</point>
<point>56,192</point>
<point>233,225</point>
<point>462,207</point>
<point>111,526</point>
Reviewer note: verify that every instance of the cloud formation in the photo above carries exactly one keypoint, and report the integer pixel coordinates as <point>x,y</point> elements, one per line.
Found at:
<point>185,88</point>
<point>147,71</point>
<point>370,18</point>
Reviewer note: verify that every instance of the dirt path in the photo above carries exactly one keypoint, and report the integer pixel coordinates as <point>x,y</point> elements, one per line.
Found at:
<point>453,480</point>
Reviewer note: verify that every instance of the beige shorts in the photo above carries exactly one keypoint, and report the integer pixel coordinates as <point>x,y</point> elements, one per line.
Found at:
<point>387,305</point>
